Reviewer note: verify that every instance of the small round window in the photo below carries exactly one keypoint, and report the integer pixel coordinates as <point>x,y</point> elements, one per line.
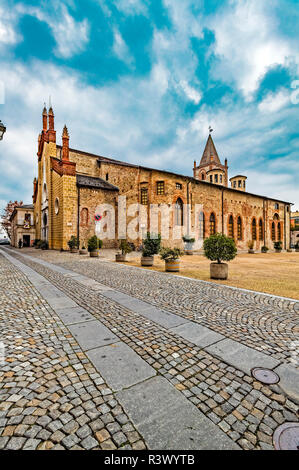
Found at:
<point>56,206</point>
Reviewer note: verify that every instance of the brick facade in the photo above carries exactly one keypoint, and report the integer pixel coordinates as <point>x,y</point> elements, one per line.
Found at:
<point>77,183</point>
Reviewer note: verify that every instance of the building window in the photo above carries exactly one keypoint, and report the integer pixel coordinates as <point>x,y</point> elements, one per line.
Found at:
<point>235,184</point>
<point>160,188</point>
<point>56,206</point>
<point>253,229</point>
<point>231,227</point>
<point>179,212</point>
<point>273,235</point>
<point>240,183</point>
<point>84,217</point>
<point>178,185</point>
<point>212,224</point>
<point>276,206</point>
<point>201,225</point>
<point>107,176</point>
<point>211,178</point>
<point>216,178</point>
<point>261,231</point>
<point>144,196</point>
<point>203,176</point>
<point>239,228</point>
<point>220,178</point>
<point>279,231</point>
<point>276,217</point>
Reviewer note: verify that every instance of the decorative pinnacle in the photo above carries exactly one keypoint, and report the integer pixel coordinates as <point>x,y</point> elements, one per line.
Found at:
<point>65,132</point>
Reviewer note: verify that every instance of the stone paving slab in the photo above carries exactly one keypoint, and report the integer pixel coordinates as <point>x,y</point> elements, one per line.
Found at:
<point>198,334</point>
<point>240,356</point>
<point>120,365</point>
<point>289,380</point>
<point>167,420</point>
<point>73,315</point>
<point>92,334</point>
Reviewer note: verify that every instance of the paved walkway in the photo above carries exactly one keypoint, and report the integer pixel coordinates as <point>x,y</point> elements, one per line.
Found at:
<point>181,381</point>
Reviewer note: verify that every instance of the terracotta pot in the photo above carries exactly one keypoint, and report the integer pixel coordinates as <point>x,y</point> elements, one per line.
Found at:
<point>172,266</point>
<point>147,260</point>
<point>120,258</point>
<point>277,251</point>
<point>74,250</point>
<point>251,251</point>
<point>83,252</point>
<point>94,254</point>
<point>219,271</point>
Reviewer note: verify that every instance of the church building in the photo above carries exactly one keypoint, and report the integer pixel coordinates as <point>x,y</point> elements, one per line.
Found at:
<point>72,184</point>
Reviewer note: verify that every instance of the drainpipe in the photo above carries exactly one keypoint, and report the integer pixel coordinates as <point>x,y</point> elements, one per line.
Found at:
<point>188,209</point>
<point>264,217</point>
<point>284,228</point>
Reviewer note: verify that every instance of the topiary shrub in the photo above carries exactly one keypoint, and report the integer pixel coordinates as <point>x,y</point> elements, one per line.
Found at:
<point>170,254</point>
<point>264,249</point>
<point>73,242</point>
<point>151,244</point>
<point>278,246</point>
<point>219,248</point>
<point>125,247</point>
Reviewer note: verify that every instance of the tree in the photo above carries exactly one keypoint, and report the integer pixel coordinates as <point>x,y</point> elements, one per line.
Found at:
<point>151,244</point>
<point>219,248</point>
<point>6,214</point>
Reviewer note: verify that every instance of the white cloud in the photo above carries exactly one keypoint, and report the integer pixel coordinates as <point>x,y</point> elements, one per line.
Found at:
<point>71,36</point>
<point>248,43</point>
<point>8,34</point>
<point>274,102</point>
<point>191,93</point>
<point>120,48</point>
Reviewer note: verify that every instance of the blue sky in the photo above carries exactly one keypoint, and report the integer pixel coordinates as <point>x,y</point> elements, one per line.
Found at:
<point>142,80</point>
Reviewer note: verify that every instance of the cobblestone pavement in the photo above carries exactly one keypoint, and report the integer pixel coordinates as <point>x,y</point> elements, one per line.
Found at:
<point>51,395</point>
<point>263,322</point>
<point>242,407</point>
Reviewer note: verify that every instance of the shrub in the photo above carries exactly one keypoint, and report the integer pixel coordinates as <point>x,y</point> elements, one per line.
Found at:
<point>170,254</point>
<point>35,243</point>
<point>297,246</point>
<point>44,245</point>
<point>151,244</point>
<point>39,243</point>
<point>277,245</point>
<point>73,242</point>
<point>125,247</point>
<point>219,248</point>
<point>94,243</point>
<point>264,249</point>
<point>250,244</point>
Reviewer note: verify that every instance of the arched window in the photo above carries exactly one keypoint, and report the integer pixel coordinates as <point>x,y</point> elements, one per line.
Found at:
<point>212,224</point>
<point>253,229</point>
<point>231,227</point>
<point>84,217</point>
<point>201,225</point>
<point>107,176</point>
<point>261,231</point>
<point>203,176</point>
<point>273,235</point>
<point>240,234</point>
<point>279,231</point>
<point>178,216</point>
<point>276,217</point>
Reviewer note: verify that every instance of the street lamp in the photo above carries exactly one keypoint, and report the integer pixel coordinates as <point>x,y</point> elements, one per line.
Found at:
<point>2,130</point>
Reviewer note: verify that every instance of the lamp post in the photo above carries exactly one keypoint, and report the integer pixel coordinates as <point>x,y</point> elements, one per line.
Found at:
<point>2,130</point>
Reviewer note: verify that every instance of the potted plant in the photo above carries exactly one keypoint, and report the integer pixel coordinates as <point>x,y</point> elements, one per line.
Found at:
<point>73,244</point>
<point>250,245</point>
<point>36,243</point>
<point>125,248</point>
<point>219,248</point>
<point>44,245</point>
<point>94,243</point>
<point>189,242</point>
<point>171,257</point>
<point>264,249</point>
<point>297,247</point>
<point>83,250</point>
<point>151,246</point>
<point>278,247</point>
